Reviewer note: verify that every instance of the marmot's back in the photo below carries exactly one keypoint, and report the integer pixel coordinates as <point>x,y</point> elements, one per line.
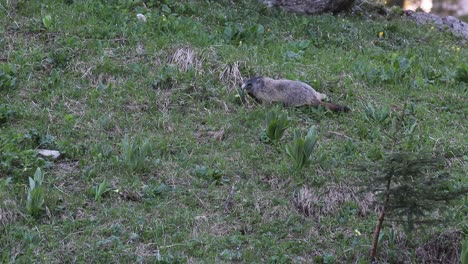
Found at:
<point>291,93</point>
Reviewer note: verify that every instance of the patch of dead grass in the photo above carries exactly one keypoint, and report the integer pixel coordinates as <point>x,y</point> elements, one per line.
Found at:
<point>328,200</point>
<point>186,58</point>
<point>230,74</point>
<point>442,248</point>
<point>9,212</point>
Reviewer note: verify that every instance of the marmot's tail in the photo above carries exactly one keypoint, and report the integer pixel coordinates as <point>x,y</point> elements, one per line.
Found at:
<point>335,107</point>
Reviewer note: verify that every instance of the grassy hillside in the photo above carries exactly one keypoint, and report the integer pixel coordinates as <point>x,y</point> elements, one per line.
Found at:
<point>152,112</point>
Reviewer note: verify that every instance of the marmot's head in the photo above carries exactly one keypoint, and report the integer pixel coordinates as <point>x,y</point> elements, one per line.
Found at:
<point>252,84</point>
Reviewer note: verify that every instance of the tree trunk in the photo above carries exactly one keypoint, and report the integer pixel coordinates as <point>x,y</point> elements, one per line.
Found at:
<point>375,240</point>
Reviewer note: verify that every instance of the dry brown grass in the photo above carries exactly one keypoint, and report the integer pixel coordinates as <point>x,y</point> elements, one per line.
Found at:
<point>9,212</point>
<point>186,58</point>
<point>230,74</point>
<point>328,200</point>
<point>443,248</point>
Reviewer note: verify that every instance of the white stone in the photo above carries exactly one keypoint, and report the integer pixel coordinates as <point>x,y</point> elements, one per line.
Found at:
<point>141,17</point>
<point>49,153</point>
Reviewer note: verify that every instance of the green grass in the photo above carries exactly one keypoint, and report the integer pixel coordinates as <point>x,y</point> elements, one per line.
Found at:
<point>152,110</point>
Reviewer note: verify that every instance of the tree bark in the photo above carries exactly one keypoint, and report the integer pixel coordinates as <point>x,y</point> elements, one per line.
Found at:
<point>375,240</point>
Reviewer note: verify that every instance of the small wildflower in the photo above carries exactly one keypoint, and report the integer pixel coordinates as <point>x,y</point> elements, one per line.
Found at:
<point>240,43</point>
<point>458,49</point>
<point>357,232</point>
<point>381,34</point>
<point>268,30</point>
<point>432,28</point>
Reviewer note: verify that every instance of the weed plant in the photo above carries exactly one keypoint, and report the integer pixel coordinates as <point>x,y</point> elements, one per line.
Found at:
<point>99,190</point>
<point>277,123</point>
<point>134,154</point>
<point>36,193</point>
<point>301,148</point>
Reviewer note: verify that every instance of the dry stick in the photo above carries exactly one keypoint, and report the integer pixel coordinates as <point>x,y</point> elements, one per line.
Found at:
<point>229,199</point>
<point>375,239</point>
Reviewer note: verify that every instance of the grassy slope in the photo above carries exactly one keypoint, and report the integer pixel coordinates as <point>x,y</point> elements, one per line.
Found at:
<point>97,75</point>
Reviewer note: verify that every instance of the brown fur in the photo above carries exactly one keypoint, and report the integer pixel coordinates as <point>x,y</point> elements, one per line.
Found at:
<point>290,93</point>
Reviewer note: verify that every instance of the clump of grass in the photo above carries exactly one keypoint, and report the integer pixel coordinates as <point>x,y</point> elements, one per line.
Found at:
<point>462,73</point>
<point>6,113</point>
<point>446,247</point>
<point>328,200</point>
<point>214,176</point>
<point>152,191</point>
<point>230,73</point>
<point>378,115</point>
<point>7,76</point>
<point>99,190</point>
<point>303,201</point>
<point>35,201</point>
<point>134,154</point>
<point>186,58</point>
<point>300,150</point>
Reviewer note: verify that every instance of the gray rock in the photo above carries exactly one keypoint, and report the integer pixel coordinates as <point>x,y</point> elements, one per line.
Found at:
<point>453,24</point>
<point>54,154</point>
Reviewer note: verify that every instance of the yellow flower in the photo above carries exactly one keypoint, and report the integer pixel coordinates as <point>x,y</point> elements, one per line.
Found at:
<point>458,49</point>
<point>381,34</point>
<point>268,30</point>
<point>357,232</point>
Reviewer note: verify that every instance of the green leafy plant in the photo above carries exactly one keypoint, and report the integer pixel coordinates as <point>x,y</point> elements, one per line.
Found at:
<point>300,150</point>
<point>462,73</point>
<point>376,114</point>
<point>277,123</point>
<point>6,113</point>
<point>235,33</point>
<point>35,199</point>
<point>4,183</point>
<point>134,154</point>
<point>99,190</point>
<point>7,76</point>
<point>464,252</point>
<point>152,191</point>
<point>47,21</point>
<point>215,176</point>
<point>165,77</point>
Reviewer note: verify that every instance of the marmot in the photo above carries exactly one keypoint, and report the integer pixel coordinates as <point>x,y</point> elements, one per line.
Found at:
<point>290,93</point>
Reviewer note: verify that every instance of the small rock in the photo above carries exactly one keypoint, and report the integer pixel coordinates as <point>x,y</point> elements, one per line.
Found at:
<point>141,17</point>
<point>49,153</point>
